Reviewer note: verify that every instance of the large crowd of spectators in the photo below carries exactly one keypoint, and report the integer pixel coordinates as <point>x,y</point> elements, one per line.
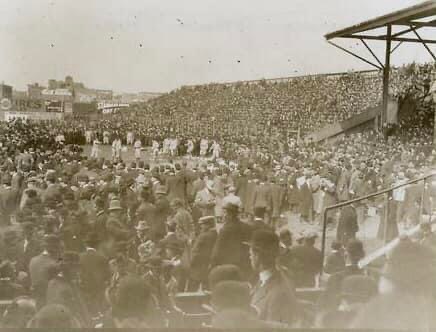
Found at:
<point>89,242</point>
<point>306,103</point>
<point>239,112</point>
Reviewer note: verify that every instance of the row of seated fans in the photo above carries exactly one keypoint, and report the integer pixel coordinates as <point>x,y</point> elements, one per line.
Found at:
<point>307,103</point>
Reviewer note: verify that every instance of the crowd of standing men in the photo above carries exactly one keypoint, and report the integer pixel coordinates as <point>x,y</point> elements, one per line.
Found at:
<point>89,241</point>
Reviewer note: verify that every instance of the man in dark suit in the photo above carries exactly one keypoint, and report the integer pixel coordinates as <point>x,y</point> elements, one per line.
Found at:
<point>262,200</point>
<point>229,247</point>
<point>94,274</point>
<point>347,225</point>
<point>163,210</point>
<point>146,210</point>
<point>8,199</point>
<point>201,253</point>
<point>53,190</point>
<point>286,260</point>
<point>335,261</point>
<point>63,289</point>
<point>231,305</point>
<point>308,261</point>
<point>30,246</point>
<point>43,267</point>
<point>274,294</point>
<point>277,193</point>
<point>176,186</point>
<point>116,227</point>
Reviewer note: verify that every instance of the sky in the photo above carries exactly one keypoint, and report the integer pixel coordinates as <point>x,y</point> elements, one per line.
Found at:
<point>160,45</point>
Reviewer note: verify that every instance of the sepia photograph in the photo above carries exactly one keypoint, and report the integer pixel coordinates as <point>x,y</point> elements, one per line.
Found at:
<point>206,164</point>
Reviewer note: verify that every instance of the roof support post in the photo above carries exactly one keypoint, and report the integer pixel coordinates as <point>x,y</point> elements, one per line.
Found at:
<point>398,45</point>
<point>383,115</point>
<point>355,55</point>
<point>372,53</point>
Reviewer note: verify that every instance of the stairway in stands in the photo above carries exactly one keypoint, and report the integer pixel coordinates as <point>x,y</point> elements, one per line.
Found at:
<point>338,128</point>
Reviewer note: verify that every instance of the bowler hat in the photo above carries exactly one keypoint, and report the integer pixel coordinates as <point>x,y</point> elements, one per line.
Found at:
<point>32,179</point>
<point>51,176</point>
<point>132,297</point>
<point>161,190</point>
<point>115,205</point>
<point>231,294</point>
<point>224,272</point>
<point>265,241</point>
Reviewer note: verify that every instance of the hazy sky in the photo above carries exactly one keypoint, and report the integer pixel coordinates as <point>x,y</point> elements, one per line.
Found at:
<point>159,45</point>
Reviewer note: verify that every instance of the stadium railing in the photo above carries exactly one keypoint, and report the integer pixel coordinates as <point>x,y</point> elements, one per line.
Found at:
<point>387,243</point>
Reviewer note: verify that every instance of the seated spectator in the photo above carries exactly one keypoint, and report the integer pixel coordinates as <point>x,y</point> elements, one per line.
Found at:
<point>356,291</point>
<point>19,312</point>
<point>231,306</point>
<point>406,287</point>
<point>335,261</point>
<point>331,297</point>
<point>308,261</point>
<point>133,305</point>
<point>53,316</point>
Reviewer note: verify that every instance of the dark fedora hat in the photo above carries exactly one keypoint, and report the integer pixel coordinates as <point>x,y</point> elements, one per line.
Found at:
<point>265,241</point>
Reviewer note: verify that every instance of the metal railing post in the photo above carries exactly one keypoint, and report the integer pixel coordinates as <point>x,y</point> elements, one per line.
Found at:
<point>324,235</point>
<point>421,204</point>
<point>386,218</point>
<point>387,192</point>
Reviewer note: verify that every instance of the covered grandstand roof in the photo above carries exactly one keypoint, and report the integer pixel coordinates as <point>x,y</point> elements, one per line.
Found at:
<point>407,22</point>
<point>410,17</point>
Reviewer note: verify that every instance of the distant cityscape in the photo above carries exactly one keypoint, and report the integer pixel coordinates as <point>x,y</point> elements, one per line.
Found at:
<point>66,96</point>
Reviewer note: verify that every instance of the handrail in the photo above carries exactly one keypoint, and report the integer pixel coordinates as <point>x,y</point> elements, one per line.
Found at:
<point>383,250</point>
<point>381,192</point>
